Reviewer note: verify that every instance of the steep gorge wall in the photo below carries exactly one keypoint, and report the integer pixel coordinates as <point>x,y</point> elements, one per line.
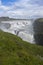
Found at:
<point>38,31</point>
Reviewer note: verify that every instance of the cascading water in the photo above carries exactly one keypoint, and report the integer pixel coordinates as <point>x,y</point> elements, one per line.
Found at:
<point>22,28</point>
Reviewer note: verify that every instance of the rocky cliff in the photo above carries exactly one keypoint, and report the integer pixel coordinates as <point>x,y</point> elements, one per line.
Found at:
<point>38,31</point>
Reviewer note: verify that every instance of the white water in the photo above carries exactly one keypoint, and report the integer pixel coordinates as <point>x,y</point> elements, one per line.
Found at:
<point>21,28</point>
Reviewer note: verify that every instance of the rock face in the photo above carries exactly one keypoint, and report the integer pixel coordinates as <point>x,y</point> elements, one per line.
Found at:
<point>38,31</point>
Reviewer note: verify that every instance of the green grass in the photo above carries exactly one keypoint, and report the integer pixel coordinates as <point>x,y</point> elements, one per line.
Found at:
<point>39,20</point>
<point>15,51</point>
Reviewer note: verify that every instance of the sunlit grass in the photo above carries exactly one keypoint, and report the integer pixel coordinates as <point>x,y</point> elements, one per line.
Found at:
<point>15,51</point>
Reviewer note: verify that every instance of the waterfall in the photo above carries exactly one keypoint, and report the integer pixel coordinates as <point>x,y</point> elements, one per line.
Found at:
<point>21,28</point>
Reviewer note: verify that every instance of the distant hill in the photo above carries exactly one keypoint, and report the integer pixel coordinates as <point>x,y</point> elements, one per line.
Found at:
<point>15,51</point>
<point>8,19</point>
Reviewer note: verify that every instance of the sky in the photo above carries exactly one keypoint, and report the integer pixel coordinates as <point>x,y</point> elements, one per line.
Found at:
<point>21,8</point>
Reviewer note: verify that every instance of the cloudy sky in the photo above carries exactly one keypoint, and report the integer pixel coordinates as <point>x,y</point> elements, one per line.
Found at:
<point>21,8</point>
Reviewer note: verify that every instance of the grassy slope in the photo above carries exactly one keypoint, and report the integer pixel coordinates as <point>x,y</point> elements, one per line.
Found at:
<point>39,20</point>
<point>14,51</point>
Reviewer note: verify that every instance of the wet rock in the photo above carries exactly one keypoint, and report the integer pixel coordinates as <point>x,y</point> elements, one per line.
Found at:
<point>38,31</point>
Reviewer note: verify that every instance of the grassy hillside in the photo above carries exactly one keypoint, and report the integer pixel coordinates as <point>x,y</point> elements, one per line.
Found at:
<point>15,51</point>
<point>39,20</point>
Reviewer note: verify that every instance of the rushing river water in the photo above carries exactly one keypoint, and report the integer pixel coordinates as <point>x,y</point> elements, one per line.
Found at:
<point>21,28</point>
